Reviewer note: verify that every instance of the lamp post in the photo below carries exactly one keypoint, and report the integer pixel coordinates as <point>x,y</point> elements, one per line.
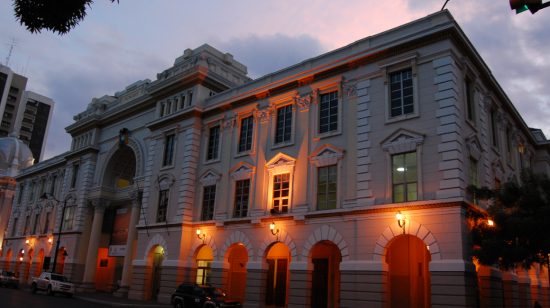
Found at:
<point>44,197</point>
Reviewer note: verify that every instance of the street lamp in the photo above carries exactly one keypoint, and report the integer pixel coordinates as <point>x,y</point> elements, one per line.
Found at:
<point>44,197</point>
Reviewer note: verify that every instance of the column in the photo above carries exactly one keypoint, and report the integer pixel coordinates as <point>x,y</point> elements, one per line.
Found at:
<point>490,286</point>
<point>454,283</point>
<point>80,260</point>
<point>524,288</point>
<point>130,244</point>
<point>510,289</point>
<point>88,283</point>
<point>363,284</point>
<point>299,293</point>
<point>256,280</point>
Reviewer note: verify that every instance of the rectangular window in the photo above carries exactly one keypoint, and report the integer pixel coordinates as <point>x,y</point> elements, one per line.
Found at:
<point>283,129</point>
<point>6,124</point>
<point>190,99</point>
<point>42,187</point>
<point>509,146</point>
<point>182,102</point>
<point>14,227</point>
<point>328,116</point>
<point>21,191</point>
<point>473,172</point>
<point>521,156</point>
<point>169,147</point>
<point>161,113</point>
<point>27,222</point>
<point>203,272</point>
<point>281,189</point>
<point>75,176</point>
<point>68,222</point>
<point>245,138</point>
<point>32,189</point>
<point>404,177</point>
<point>469,100</point>
<point>46,223</point>
<point>52,188</point>
<point>163,205</point>
<point>213,143</point>
<point>327,187</point>
<point>168,107</point>
<point>208,201</point>
<point>494,128</point>
<point>401,93</point>
<point>242,194</point>
<point>36,222</point>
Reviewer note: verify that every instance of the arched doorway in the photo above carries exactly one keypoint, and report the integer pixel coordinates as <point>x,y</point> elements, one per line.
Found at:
<point>238,257</point>
<point>18,262</point>
<point>27,264</point>
<point>156,256</point>
<point>409,280</point>
<point>278,275</point>
<point>39,263</point>
<point>204,259</point>
<point>61,255</point>
<point>325,289</point>
<point>121,169</point>
<point>7,260</point>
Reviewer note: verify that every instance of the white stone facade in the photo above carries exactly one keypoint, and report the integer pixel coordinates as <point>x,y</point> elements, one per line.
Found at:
<point>204,137</point>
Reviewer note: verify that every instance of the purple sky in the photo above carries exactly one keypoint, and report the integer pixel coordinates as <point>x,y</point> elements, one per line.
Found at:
<point>118,44</point>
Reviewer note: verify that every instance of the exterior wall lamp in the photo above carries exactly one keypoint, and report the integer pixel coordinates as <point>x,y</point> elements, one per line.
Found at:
<point>273,230</point>
<point>400,221</point>
<point>491,223</point>
<point>50,240</point>
<point>201,237</point>
<point>28,242</point>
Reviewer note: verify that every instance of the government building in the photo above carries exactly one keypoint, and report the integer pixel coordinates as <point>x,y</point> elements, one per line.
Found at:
<point>336,182</point>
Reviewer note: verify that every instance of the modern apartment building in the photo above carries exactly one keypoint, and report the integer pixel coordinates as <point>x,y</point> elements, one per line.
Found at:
<point>27,113</point>
<point>336,182</point>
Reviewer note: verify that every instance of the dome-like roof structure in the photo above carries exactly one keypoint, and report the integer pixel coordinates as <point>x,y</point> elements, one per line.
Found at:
<point>14,156</point>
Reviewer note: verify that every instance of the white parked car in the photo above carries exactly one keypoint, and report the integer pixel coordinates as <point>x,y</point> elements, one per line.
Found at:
<point>52,284</point>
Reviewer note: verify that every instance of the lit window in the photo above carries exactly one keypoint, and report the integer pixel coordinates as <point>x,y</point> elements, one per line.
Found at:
<point>169,150</point>
<point>328,117</point>
<point>404,177</point>
<point>402,93</point>
<point>75,176</point>
<point>283,130</point>
<point>203,272</point>
<point>163,205</point>
<point>327,187</point>
<point>208,201</point>
<point>68,222</point>
<point>281,189</point>
<point>245,138</point>
<point>242,194</point>
<point>213,143</point>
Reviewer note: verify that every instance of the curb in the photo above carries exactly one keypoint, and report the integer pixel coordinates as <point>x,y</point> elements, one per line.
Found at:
<point>111,304</point>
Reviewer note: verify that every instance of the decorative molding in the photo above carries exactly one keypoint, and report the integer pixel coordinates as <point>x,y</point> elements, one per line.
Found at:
<point>210,177</point>
<point>401,141</point>
<point>165,181</point>
<point>351,91</point>
<point>303,103</point>
<point>281,163</point>
<point>326,155</point>
<point>242,171</point>
<point>263,115</point>
<point>136,196</point>
<point>498,169</point>
<point>474,147</point>
<point>228,125</point>
<point>137,151</point>
<point>100,205</point>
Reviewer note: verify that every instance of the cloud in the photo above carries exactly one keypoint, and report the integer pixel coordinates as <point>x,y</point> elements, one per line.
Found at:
<point>266,54</point>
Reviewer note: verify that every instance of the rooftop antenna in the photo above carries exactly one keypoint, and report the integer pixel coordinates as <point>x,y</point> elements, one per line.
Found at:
<point>25,72</point>
<point>444,5</point>
<point>12,43</point>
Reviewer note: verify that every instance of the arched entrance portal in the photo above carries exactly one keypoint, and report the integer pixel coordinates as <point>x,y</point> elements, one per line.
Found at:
<point>26,267</point>
<point>7,260</point>
<point>60,266</point>
<point>121,169</point>
<point>276,289</point>
<point>156,258</point>
<point>325,289</point>
<point>39,263</point>
<point>238,257</point>
<point>409,280</point>
<point>18,262</point>
<point>204,259</point>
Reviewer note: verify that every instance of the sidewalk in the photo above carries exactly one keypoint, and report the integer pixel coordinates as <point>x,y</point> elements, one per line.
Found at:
<point>107,299</point>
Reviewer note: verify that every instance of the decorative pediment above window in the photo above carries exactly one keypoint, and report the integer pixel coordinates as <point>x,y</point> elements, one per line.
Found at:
<point>326,155</point>
<point>210,177</point>
<point>281,163</point>
<point>512,178</point>
<point>48,208</point>
<point>242,171</point>
<point>165,181</point>
<point>402,141</point>
<point>28,211</point>
<point>37,209</point>
<point>16,214</point>
<point>498,169</point>
<point>474,147</point>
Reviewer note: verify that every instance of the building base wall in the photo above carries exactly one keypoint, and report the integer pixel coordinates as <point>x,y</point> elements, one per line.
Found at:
<point>363,289</point>
<point>454,289</point>
<point>299,294</point>
<point>256,280</point>
<point>141,283</point>
<point>524,294</point>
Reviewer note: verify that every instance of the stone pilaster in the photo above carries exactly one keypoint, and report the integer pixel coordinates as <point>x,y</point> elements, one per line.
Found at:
<point>524,289</point>
<point>364,176</point>
<point>363,284</point>
<point>453,283</point>
<point>256,280</point>
<point>301,275</point>
<point>490,286</point>
<point>510,289</point>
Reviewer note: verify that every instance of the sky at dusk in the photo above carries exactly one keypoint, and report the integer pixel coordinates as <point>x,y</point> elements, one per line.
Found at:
<point>118,44</point>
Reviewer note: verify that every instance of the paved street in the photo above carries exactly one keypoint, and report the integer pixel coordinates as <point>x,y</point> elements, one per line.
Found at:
<point>22,298</point>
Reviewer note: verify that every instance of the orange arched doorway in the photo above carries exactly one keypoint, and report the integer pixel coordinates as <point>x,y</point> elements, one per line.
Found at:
<point>60,266</point>
<point>276,288</point>
<point>204,257</point>
<point>237,258</point>
<point>7,260</point>
<point>409,280</point>
<point>325,288</point>
<point>39,263</point>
